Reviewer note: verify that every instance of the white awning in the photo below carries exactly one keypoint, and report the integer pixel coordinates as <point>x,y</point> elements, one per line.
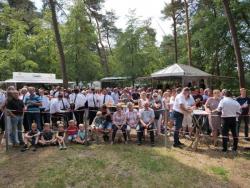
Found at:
<point>180,70</point>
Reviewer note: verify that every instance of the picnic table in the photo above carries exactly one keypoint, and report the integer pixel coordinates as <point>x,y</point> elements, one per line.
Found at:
<point>198,117</point>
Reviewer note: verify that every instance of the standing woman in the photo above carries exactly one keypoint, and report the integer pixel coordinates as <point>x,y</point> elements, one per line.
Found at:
<point>166,105</point>
<point>143,99</point>
<point>214,117</point>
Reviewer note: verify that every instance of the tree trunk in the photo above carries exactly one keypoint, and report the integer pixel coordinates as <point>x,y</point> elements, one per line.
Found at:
<point>175,33</point>
<point>188,33</point>
<point>103,56</point>
<point>235,41</point>
<point>59,43</point>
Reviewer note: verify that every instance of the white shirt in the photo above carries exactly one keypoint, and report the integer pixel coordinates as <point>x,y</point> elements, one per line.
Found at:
<point>147,115</point>
<point>55,106</point>
<point>45,102</point>
<point>229,107</point>
<point>78,99</point>
<point>179,99</point>
<point>2,99</point>
<point>108,100</point>
<point>92,100</point>
<point>190,101</point>
<point>115,97</point>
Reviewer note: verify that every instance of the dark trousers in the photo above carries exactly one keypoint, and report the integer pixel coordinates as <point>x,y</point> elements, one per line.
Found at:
<point>45,116</point>
<point>2,121</point>
<point>115,129</point>
<point>79,113</point>
<point>178,118</point>
<point>25,122</point>
<point>140,131</point>
<point>229,123</point>
<point>34,117</point>
<point>92,114</point>
<point>246,121</point>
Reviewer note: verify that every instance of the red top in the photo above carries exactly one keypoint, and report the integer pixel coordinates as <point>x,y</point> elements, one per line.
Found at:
<point>72,130</point>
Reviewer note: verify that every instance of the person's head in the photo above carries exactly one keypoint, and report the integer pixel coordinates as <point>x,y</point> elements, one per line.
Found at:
<point>201,91</point>
<point>223,92</point>
<point>178,90</point>
<point>155,96</point>
<point>41,92</point>
<point>243,92</point>
<point>31,90</point>
<point>33,126</point>
<point>81,127</point>
<point>216,93</point>
<point>71,123</point>
<point>143,95</point>
<point>98,114</point>
<point>76,90</point>
<point>15,94</point>
<point>24,91</point>
<point>146,105</point>
<point>228,93</point>
<point>130,106</point>
<point>61,127</point>
<point>46,127</point>
<point>186,91</point>
<point>119,107</point>
<point>104,92</point>
<point>160,92</point>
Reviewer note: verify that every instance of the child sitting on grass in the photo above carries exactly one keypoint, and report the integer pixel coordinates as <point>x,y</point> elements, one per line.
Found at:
<point>31,137</point>
<point>47,137</point>
<point>72,131</point>
<point>60,137</point>
<point>81,135</point>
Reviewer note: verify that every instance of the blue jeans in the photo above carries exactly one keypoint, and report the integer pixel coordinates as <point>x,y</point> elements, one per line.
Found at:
<point>178,117</point>
<point>17,128</point>
<point>34,116</point>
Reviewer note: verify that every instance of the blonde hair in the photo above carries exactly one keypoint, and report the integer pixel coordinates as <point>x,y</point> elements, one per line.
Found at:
<point>81,125</point>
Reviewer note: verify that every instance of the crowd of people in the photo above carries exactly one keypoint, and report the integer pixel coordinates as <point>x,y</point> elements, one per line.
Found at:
<point>54,117</point>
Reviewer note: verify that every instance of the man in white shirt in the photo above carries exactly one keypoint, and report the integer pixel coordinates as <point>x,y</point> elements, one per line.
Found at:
<point>105,99</point>
<point>230,109</point>
<point>147,117</point>
<point>44,109</point>
<point>115,95</point>
<point>77,102</point>
<point>92,105</point>
<point>2,104</point>
<point>179,108</point>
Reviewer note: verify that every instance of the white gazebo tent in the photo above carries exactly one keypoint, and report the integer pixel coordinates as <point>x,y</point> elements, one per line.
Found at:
<point>185,73</point>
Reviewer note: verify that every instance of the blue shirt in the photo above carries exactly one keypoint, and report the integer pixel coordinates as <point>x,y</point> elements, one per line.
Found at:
<point>28,100</point>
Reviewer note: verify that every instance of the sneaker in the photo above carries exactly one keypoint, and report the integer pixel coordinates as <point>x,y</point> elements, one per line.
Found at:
<point>60,147</point>
<point>177,146</point>
<point>139,143</point>
<point>126,142</point>
<point>34,149</point>
<point>24,148</point>
<point>181,144</point>
<point>64,147</point>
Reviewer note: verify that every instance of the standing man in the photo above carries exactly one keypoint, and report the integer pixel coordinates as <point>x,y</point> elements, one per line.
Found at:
<point>33,103</point>
<point>179,108</point>
<point>44,109</point>
<point>115,95</point>
<point>77,103</point>
<point>244,102</point>
<point>92,104</point>
<point>105,99</point>
<point>230,109</point>
<point>15,109</point>
<point>2,105</point>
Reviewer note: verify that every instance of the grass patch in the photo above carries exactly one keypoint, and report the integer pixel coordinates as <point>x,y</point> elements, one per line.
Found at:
<point>221,172</point>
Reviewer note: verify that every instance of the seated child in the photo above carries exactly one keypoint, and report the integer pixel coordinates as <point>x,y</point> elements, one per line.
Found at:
<point>60,137</point>
<point>107,123</point>
<point>31,137</point>
<point>47,137</point>
<point>97,122</point>
<point>72,131</point>
<point>80,139</point>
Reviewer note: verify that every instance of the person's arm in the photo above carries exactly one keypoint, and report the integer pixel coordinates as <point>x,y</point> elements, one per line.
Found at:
<point>152,118</point>
<point>141,120</point>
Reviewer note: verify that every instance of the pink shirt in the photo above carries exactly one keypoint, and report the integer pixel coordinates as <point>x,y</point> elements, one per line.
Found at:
<point>132,118</point>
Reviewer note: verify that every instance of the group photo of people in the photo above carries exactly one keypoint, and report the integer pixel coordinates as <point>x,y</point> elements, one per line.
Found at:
<point>35,117</point>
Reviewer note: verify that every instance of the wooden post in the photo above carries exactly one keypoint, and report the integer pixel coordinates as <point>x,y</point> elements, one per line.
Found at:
<point>6,130</point>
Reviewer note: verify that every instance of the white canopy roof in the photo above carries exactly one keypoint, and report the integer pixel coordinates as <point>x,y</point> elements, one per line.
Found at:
<point>180,70</point>
<point>41,78</point>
